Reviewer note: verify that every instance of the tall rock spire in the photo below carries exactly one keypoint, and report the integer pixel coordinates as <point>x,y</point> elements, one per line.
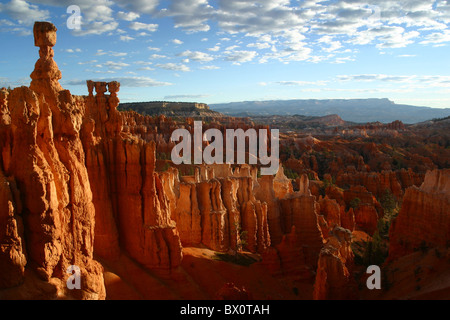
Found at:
<point>46,73</point>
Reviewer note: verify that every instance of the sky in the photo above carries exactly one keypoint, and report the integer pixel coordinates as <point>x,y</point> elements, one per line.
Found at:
<point>218,51</point>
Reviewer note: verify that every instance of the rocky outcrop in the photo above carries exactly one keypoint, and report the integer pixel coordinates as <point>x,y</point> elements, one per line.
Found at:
<point>366,209</point>
<point>376,183</point>
<point>133,209</point>
<point>46,165</point>
<point>218,207</point>
<point>301,213</point>
<point>334,280</point>
<point>265,193</point>
<point>331,211</point>
<point>424,219</point>
<point>296,221</point>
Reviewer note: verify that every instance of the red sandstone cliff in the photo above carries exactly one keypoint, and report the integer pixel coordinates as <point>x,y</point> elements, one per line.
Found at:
<point>43,160</point>
<point>217,207</point>
<point>334,279</point>
<point>424,219</point>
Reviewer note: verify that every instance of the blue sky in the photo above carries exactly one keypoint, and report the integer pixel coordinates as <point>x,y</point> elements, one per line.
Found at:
<point>218,51</point>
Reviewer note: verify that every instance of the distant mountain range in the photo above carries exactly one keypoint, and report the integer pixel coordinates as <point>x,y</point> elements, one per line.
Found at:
<point>355,110</point>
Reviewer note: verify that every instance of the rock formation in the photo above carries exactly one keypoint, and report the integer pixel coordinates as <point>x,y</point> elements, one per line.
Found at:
<point>132,208</point>
<point>82,178</point>
<point>334,272</point>
<point>296,255</point>
<point>215,211</point>
<point>424,219</point>
<point>45,184</point>
<point>366,211</point>
<point>12,246</point>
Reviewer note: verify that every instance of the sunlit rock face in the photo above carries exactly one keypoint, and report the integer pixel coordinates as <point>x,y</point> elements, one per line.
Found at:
<point>47,215</point>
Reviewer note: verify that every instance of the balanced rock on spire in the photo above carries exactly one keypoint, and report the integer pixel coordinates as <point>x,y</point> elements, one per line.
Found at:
<point>46,73</point>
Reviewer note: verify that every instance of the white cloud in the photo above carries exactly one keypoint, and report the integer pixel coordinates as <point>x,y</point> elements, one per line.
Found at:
<point>190,15</point>
<point>307,30</point>
<point>210,68</point>
<point>301,83</point>
<point>126,38</point>
<point>24,12</point>
<point>173,67</point>
<point>117,54</point>
<point>96,28</point>
<point>87,62</point>
<point>196,56</point>
<point>437,38</point>
<point>157,56</point>
<point>127,16</point>
<point>146,69</point>
<point>333,44</point>
<point>259,45</point>
<point>267,16</point>
<point>341,60</point>
<point>142,6</point>
<point>101,52</point>
<point>115,65</point>
<point>97,16</point>
<point>287,26</point>
<point>5,22</point>
<point>407,81</point>
<point>214,49</point>
<point>230,48</point>
<point>144,63</point>
<point>143,26</point>
<point>177,41</point>
<point>375,77</point>
<point>240,56</point>
<point>398,39</point>
<point>73,50</point>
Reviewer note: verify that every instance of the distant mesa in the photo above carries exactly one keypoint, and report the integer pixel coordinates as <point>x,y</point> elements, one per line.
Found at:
<point>171,109</point>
